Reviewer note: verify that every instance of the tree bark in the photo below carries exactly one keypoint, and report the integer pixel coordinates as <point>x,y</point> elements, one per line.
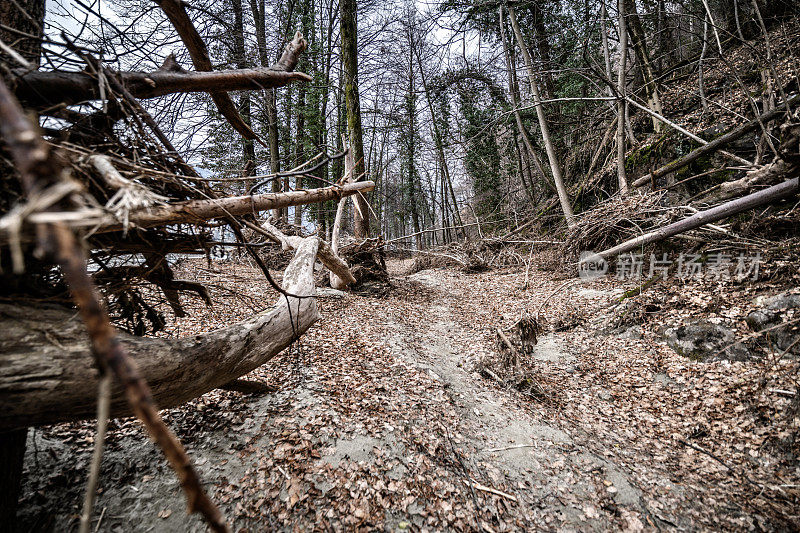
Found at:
<point>530,154</point>
<point>349,37</point>
<point>622,179</point>
<point>48,88</point>
<point>47,373</point>
<point>194,211</point>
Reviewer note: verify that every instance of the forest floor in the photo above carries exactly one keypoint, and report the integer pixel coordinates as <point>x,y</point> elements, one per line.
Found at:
<point>382,421</point>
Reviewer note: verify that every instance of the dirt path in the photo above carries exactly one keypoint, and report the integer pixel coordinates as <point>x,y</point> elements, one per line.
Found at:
<point>381,423</point>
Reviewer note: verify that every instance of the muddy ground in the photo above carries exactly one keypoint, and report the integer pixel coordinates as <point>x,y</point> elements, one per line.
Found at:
<point>384,420</point>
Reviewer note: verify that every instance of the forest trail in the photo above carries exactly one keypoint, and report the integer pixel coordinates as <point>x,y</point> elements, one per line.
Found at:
<point>380,422</point>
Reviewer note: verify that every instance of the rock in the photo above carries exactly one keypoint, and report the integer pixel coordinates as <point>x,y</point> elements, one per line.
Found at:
<point>633,332</point>
<point>704,341</point>
<point>773,311</point>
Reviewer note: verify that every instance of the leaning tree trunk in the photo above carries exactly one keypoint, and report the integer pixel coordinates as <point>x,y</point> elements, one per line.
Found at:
<point>555,166</point>
<point>47,373</point>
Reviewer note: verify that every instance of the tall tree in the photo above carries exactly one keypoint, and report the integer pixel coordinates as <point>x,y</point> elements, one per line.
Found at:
<point>544,128</point>
<point>621,102</point>
<point>240,60</point>
<point>258,9</point>
<point>348,29</point>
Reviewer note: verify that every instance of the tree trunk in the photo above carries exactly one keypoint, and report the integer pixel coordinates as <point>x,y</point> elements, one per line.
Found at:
<point>555,166</point>
<point>437,135</point>
<point>47,88</point>
<point>193,211</point>
<point>349,37</point>
<point>621,103</point>
<point>300,155</point>
<point>47,372</point>
<point>773,194</point>
<point>639,42</point>
<point>26,16</point>
<point>240,60</point>
<point>259,18</point>
<point>529,154</point>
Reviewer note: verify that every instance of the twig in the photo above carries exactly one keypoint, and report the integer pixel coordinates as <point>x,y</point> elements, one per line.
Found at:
<point>103,408</point>
<point>562,286</point>
<point>100,520</point>
<point>515,447</point>
<point>496,492</point>
<point>758,334</point>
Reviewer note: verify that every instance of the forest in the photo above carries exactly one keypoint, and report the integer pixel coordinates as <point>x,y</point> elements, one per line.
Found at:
<point>349,265</point>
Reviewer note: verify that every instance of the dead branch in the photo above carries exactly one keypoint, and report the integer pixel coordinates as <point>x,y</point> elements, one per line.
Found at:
<point>41,383</point>
<point>176,12</point>
<point>40,89</point>
<point>103,403</point>
<point>197,211</point>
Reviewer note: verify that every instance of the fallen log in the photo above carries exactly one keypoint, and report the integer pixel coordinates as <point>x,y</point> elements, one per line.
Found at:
<point>47,373</point>
<point>715,145</point>
<point>773,194</point>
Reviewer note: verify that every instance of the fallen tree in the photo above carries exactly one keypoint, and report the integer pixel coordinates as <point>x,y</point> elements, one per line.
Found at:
<point>45,88</point>
<point>47,371</point>
<point>107,170</point>
<point>194,211</point>
<point>773,194</point>
<point>716,144</point>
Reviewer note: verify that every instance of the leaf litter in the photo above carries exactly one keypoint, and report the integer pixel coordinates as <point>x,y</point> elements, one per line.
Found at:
<point>383,420</point>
